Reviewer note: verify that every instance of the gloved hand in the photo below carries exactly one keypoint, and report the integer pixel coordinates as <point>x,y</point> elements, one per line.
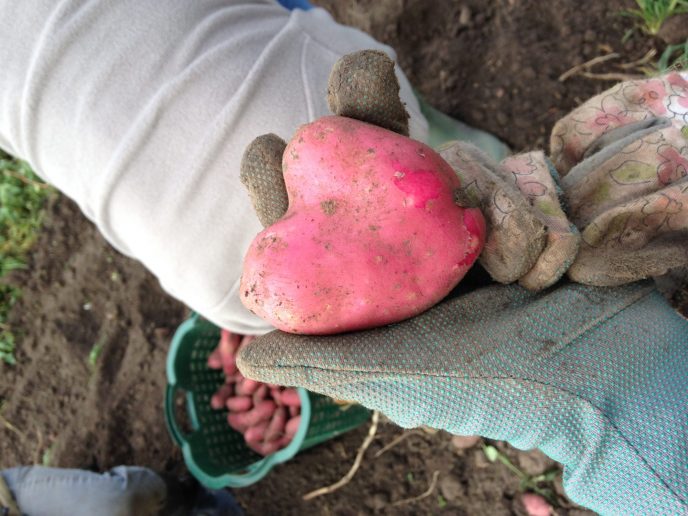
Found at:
<point>624,159</point>
<point>597,378</point>
<point>529,237</point>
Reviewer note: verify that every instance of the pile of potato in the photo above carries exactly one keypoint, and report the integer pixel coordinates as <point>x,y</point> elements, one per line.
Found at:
<point>267,415</point>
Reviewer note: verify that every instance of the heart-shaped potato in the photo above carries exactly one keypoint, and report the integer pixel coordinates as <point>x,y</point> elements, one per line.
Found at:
<point>371,236</point>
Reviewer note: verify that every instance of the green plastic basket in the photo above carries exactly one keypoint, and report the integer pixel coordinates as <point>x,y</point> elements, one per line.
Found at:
<point>214,452</point>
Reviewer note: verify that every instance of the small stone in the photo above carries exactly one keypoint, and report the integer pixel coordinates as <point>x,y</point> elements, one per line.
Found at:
<point>559,486</point>
<point>463,442</point>
<point>451,488</point>
<point>674,30</point>
<point>377,501</point>
<point>499,93</point>
<point>589,36</point>
<point>534,462</point>
<point>477,115</point>
<point>480,460</point>
<point>465,15</point>
<point>502,119</point>
<point>161,333</point>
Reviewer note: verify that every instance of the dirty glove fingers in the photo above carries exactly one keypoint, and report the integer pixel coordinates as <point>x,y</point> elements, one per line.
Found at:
<point>639,164</point>
<point>363,86</point>
<point>624,159</point>
<point>626,103</point>
<point>515,237</point>
<point>538,370</point>
<point>534,176</point>
<point>261,174</point>
<point>639,239</point>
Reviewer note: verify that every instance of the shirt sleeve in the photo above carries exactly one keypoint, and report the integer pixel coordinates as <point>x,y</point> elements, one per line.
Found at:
<point>140,110</point>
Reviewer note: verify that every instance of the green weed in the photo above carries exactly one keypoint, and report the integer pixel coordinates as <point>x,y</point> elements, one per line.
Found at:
<point>674,57</point>
<point>22,196</point>
<point>651,14</point>
<point>95,352</point>
<point>540,484</point>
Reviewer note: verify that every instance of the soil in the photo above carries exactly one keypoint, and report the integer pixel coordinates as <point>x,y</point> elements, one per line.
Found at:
<point>494,65</point>
<point>79,296</point>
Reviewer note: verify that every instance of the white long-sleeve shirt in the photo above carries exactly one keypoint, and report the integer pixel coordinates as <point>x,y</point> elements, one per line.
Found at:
<point>140,110</point>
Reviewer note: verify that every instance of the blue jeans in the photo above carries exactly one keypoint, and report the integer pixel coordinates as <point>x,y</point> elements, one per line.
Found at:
<point>122,491</point>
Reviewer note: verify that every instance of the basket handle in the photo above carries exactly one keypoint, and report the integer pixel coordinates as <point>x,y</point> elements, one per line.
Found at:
<point>172,424</point>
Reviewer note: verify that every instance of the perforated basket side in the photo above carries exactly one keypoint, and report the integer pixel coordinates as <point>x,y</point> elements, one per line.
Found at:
<point>330,419</point>
<point>215,453</point>
<point>213,446</point>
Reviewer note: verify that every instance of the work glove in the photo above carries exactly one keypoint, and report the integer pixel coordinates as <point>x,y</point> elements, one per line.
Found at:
<point>623,156</point>
<point>597,378</point>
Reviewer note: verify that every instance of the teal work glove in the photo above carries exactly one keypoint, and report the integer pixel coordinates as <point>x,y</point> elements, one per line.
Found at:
<point>597,378</point>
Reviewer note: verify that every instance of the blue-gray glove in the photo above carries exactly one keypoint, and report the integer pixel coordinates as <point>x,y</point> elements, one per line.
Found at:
<point>597,378</point>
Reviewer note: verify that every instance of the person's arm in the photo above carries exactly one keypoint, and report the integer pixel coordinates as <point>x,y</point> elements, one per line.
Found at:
<point>140,112</point>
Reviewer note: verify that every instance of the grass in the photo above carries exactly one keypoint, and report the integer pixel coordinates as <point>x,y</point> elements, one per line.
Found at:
<point>674,57</point>
<point>651,14</point>
<point>95,352</point>
<point>541,484</point>
<point>22,197</point>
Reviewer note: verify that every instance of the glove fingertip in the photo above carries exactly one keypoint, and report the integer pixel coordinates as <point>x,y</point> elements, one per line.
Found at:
<point>261,174</point>
<point>363,85</point>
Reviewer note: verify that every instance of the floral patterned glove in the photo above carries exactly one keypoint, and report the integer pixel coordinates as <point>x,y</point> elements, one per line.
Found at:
<point>623,156</point>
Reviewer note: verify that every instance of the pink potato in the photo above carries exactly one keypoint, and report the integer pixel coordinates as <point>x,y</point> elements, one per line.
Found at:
<point>246,387</point>
<point>535,505</point>
<point>260,412</point>
<point>256,433</point>
<point>260,394</point>
<point>239,403</point>
<point>217,400</point>
<point>292,426</point>
<point>265,448</point>
<point>236,421</point>
<point>276,394</point>
<point>275,428</point>
<point>372,234</point>
<point>290,397</point>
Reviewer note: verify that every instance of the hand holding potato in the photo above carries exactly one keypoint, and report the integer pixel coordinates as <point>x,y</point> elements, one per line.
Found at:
<point>594,377</point>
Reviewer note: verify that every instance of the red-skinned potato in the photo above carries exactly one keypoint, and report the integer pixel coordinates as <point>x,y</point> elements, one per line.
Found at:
<point>259,413</point>
<point>217,401</point>
<point>239,403</point>
<point>277,423</point>
<point>292,426</point>
<point>372,234</point>
<point>246,387</point>
<point>236,421</point>
<point>256,433</point>
<point>290,397</point>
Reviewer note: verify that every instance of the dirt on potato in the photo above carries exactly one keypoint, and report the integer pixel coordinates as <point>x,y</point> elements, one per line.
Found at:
<point>95,326</point>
